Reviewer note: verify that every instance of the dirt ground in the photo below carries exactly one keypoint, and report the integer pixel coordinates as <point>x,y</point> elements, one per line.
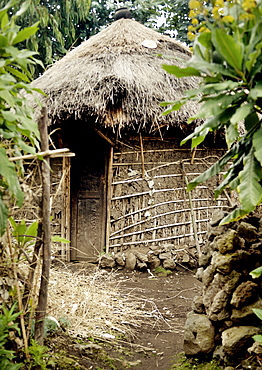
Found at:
<point>166,299</point>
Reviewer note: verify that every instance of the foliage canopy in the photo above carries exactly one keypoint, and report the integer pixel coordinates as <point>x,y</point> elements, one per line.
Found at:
<point>65,24</point>
<point>227,57</point>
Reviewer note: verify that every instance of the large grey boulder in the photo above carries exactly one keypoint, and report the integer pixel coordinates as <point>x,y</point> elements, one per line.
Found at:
<point>141,256</point>
<point>130,261</point>
<point>245,294</point>
<point>237,339</point>
<point>225,263</point>
<point>246,313</point>
<point>248,231</point>
<point>120,259</point>
<point>218,310</point>
<point>107,261</point>
<point>169,263</point>
<point>153,261</point>
<point>199,335</point>
<point>227,242</point>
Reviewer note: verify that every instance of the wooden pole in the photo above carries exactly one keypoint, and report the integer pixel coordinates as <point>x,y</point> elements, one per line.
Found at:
<point>192,212</point>
<point>155,228</point>
<point>47,153</point>
<point>43,291</point>
<point>109,196</point>
<point>65,224</point>
<point>156,240</point>
<point>142,155</point>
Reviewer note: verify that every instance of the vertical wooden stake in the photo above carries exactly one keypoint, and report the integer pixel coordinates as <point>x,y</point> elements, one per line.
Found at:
<point>43,291</point>
<point>192,212</point>
<point>142,156</point>
<point>19,296</point>
<point>109,196</point>
<point>65,224</point>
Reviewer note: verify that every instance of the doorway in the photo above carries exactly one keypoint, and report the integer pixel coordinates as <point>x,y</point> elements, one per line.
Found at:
<point>88,195</point>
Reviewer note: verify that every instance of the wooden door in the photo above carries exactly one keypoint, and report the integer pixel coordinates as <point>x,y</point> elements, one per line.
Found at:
<point>88,207</point>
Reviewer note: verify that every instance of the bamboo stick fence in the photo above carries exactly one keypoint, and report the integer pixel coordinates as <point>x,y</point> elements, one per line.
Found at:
<point>149,203</point>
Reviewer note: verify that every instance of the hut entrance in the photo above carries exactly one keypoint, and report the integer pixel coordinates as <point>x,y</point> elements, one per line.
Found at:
<point>88,195</point>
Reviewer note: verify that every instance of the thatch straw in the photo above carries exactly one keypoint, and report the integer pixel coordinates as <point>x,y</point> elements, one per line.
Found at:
<point>113,81</point>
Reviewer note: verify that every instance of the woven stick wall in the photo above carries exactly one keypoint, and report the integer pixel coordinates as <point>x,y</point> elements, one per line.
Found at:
<point>149,202</point>
<point>60,201</point>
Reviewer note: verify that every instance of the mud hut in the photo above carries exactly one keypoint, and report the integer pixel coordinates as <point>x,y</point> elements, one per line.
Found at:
<point>125,187</point>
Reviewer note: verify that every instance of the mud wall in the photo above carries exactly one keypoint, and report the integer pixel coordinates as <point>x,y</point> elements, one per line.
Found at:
<point>222,322</point>
<point>60,204</point>
<point>149,203</point>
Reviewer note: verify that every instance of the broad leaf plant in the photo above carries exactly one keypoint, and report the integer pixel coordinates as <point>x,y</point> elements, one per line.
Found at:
<point>227,57</point>
<point>18,130</point>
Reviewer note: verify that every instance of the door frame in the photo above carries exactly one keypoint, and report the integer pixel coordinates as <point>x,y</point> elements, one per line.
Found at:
<point>105,199</point>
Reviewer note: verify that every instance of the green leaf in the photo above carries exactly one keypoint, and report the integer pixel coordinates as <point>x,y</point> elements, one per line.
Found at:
<point>19,232</point>
<point>57,238</point>
<point>176,106</point>
<point>12,222</point>
<point>251,120</point>
<point>231,134</point>
<point>209,68</point>
<point>26,33</point>
<point>212,171</point>
<point>250,190</point>
<point>231,177</point>
<point>230,49</point>
<point>257,338</point>
<point>200,138</point>
<point>252,57</point>
<point>31,232</point>
<point>23,8</point>
<point>235,215</point>
<point>257,143</point>
<point>3,41</point>
<point>241,113</point>
<point>3,216</point>
<point>181,72</point>
<point>258,312</point>
<point>256,92</point>
<point>256,273</point>
<point>9,116</point>
<point>4,20</point>
<point>17,74</point>
<point>5,95</point>
<point>7,170</point>
<point>217,166</point>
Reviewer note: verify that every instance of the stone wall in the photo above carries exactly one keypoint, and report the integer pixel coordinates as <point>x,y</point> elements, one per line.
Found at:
<point>222,322</point>
<point>167,255</point>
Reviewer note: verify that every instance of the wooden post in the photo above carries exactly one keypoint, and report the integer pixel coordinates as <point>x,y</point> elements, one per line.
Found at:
<point>142,155</point>
<point>43,291</point>
<point>65,224</point>
<point>192,212</point>
<point>109,196</point>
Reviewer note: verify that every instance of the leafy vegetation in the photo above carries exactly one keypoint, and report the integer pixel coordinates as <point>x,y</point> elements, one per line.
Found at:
<point>258,312</point>
<point>183,363</point>
<point>176,19</point>
<point>7,319</point>
<point>58,25</point>
<point>227,57</point>
<point>18,130</point>
<point>162,271</point>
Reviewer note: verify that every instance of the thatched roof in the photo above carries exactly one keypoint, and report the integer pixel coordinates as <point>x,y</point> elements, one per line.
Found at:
<point>113,81</point>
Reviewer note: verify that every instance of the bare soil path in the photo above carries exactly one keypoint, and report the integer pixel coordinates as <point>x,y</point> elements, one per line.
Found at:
<point>170,298</point>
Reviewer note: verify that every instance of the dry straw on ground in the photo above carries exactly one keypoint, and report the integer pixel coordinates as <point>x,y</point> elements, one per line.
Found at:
<point>94,305</point>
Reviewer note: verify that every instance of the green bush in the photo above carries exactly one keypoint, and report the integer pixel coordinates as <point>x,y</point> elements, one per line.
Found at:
<point>7,324</point>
